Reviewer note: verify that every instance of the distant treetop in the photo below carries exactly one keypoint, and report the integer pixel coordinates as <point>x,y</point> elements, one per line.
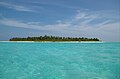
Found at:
<point>53,38</point>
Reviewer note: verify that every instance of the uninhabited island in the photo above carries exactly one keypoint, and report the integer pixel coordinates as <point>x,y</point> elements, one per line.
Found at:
<point>47,38</point>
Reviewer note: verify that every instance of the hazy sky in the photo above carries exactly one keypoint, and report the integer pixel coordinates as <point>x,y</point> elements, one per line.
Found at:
<point>74,18</point>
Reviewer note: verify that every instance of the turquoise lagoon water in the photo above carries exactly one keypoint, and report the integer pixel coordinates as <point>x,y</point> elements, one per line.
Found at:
<point>59,60</point>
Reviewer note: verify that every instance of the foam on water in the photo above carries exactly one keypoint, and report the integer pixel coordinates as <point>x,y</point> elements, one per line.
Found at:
<point>59,60</point>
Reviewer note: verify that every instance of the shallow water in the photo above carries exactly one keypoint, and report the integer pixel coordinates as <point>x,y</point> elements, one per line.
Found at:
<point>59,60</point>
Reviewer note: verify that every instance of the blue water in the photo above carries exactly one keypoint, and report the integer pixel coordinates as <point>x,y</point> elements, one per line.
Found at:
<point>59,60</point>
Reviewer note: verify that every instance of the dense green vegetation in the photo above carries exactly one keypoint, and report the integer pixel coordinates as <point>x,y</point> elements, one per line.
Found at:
<point>54,38</point>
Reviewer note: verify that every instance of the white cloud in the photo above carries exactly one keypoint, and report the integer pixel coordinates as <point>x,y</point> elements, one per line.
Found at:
<point>107,29</point>
<point>110,32</point>
<point>15,23</point>
<point>104,23</point>
<point>81,15</point>
<point>16,7</point>
<point>54,3</point>
<point>33,25</point>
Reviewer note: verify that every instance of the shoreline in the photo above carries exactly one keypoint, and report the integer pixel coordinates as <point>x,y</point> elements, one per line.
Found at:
<point>55,41</point>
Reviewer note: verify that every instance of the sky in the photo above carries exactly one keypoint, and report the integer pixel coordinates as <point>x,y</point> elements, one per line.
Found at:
<point>73,18</point>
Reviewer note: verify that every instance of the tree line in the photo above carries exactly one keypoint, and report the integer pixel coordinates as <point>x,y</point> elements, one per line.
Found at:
<point>53,38</point>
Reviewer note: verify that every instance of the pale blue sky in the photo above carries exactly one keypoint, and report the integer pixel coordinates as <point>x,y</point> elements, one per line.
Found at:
<point>74,18</point>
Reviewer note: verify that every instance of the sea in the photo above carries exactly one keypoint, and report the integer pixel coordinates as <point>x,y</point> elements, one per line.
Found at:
<point>55,60</point>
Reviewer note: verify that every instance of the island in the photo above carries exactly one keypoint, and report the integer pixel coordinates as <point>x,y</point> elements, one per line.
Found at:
<point>47,38</point>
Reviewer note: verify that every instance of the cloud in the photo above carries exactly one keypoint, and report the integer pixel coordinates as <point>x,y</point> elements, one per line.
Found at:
<point>57,4</point>
<point>16,7</point>
<point>110,32</point>
<point>104,23</point>
<point>83,24</point>
<point>14,23</point>
<point>33,25</point>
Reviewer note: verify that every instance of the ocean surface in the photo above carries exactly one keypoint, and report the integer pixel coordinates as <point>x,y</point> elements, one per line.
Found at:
<point>22,60</point>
